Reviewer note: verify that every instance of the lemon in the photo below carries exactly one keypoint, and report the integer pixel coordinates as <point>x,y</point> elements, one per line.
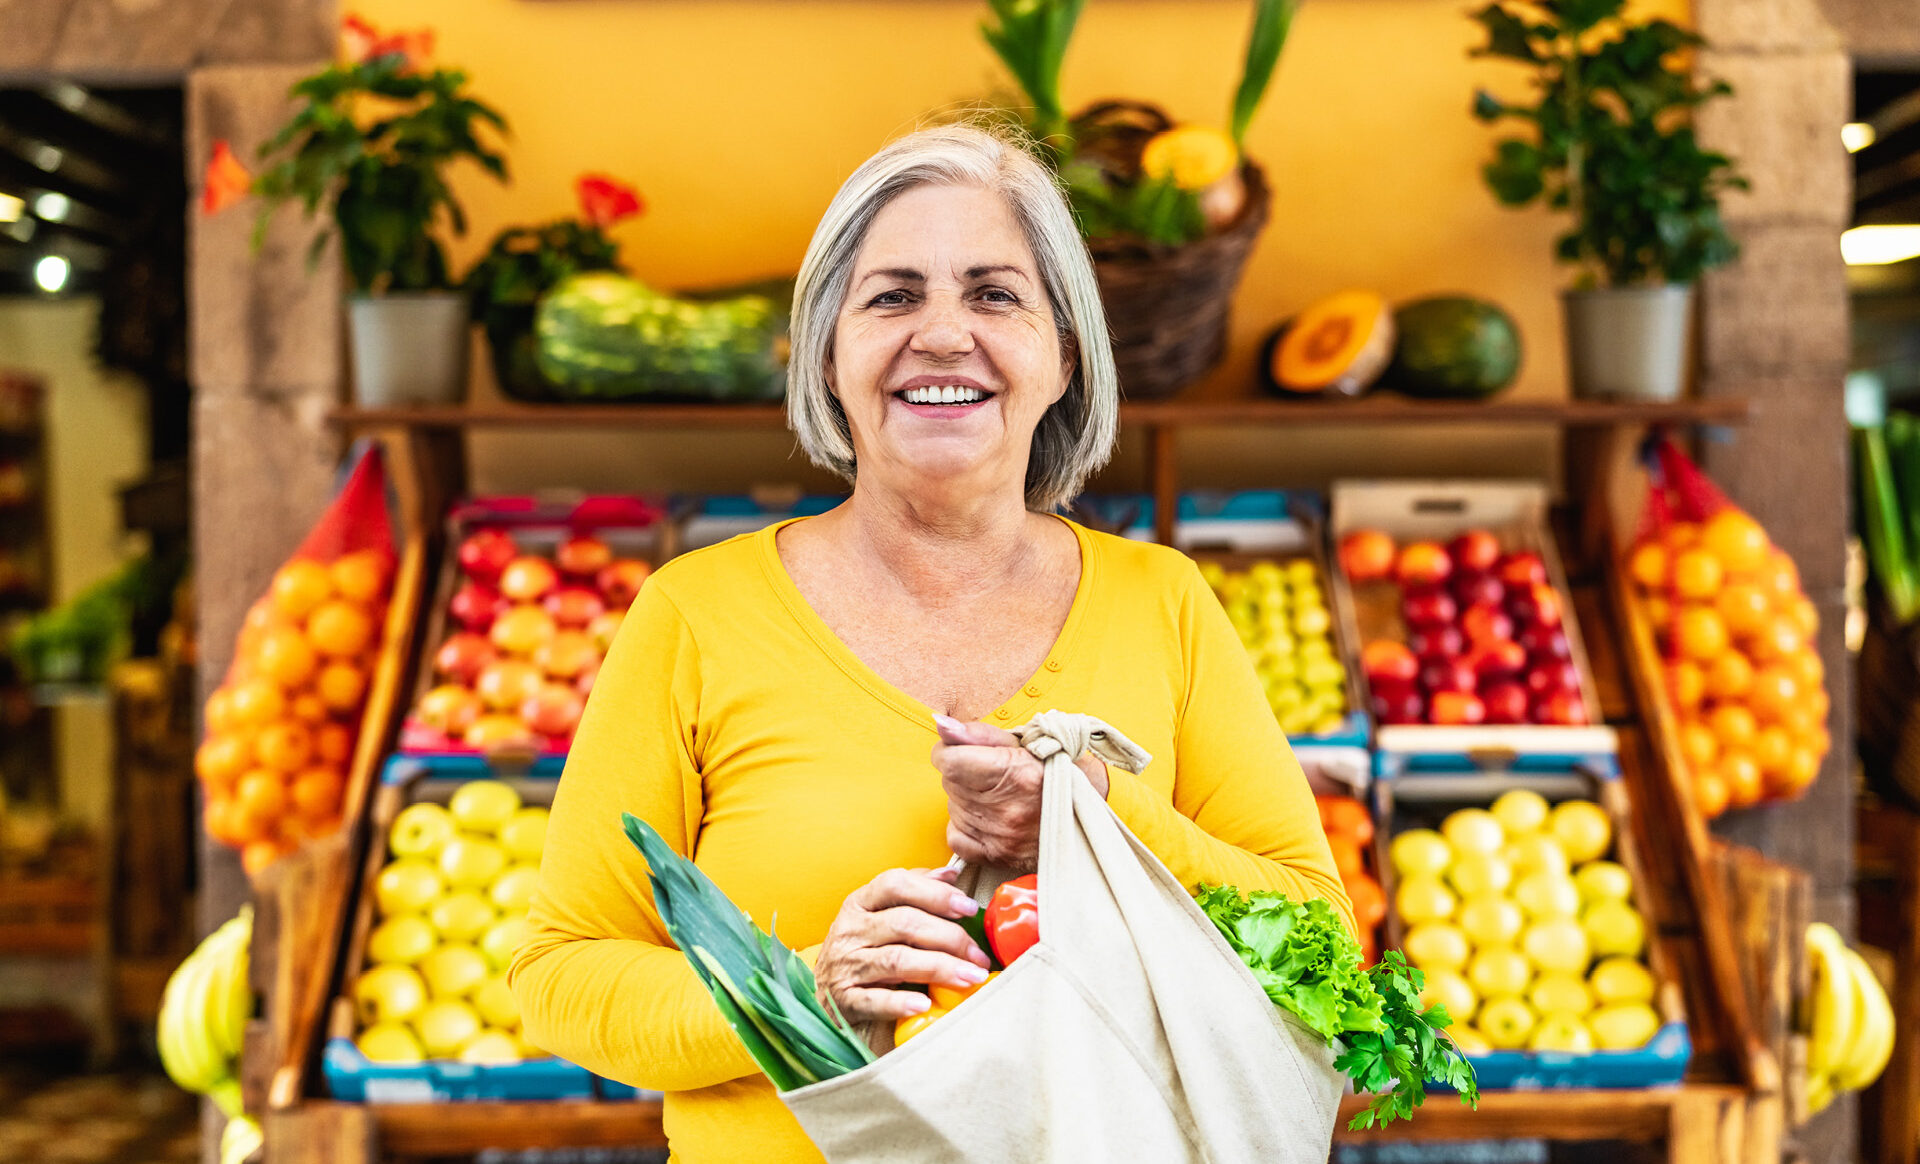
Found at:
<point>1193,156</point>
<point>1437,946</point>
<point>1560,994</point>
<point>1469,1040</point>
<point>1623,1026</point>
<point>1561,1032</point>
<point>1520,811</point>
<point>1621,980</point>
<point>1556,945</point>
<point>1420,853</point>
<point>1478,873</point>
<point>1615,928</point>
<point>1489,919</point>
<point>1582,828</point>
<point>1450,989</point>
<point>1473,830</point>
<point>1603,881</point>
<point>1506,1023</point>
<point>1424,899</point>
<point>1499,972</point>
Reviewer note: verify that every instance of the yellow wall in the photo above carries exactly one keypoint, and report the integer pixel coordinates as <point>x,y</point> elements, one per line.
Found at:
<point>739,118</point>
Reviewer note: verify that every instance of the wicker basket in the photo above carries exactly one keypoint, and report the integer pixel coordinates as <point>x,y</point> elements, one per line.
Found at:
<point>1167,306</point>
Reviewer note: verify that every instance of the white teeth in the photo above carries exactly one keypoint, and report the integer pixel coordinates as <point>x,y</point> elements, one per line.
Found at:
<point>944,394</point>
<point>949,395</point>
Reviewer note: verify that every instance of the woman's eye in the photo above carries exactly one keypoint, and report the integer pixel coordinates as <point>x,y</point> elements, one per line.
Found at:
<point>889,299</point>
<point>999,295</point>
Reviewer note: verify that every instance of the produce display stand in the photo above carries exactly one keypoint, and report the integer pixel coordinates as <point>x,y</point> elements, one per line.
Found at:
<point>1730,1106</point>
<point>1887,842</point>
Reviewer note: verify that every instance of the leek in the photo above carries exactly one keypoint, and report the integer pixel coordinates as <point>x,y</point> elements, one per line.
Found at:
<point>1882,526</point>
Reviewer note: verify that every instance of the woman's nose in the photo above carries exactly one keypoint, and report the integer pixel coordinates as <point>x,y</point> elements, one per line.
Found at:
<point>943,331</point>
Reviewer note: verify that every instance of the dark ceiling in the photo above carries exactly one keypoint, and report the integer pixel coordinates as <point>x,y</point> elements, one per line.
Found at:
<point>1886,174</point>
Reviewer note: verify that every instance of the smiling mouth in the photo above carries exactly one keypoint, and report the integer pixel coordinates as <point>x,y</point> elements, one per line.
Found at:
<point>943,394</point>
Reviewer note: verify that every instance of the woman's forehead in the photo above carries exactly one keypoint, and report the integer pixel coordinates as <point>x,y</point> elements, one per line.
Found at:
<point>952,229</point>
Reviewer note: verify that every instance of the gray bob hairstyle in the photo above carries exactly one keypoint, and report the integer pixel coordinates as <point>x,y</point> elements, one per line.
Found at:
<point>1076,435</point>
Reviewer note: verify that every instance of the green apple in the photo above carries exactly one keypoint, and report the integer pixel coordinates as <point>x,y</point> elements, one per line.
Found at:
<point>1623,1026</point>
<point>1560,994</point>
<point>1490,920</point>
<point>1424,899</point>
<point>1556,945</point>
<point>1469,1040</point>
<point>1473,830</point>
<point>1506,1022</point>
<point>1420,853</point>
<point>453,971</point>
<point>1450,989</point>
<point>446,1026</point>
<point>1437,945</point>
<point>1561,1032</point>
<point>1499,972</point>
<point>402,940</point>
<point>420,830</point>
<point>496,1004</point>
<point>1477,873</point>
<point>1603,881</point>
<point>1536,853</point>
<point>462,916</point>
<point>1584,830</point>
<point>389,1043</point>
<point>482,806</point>
<point>1544,895</point>
<point>1615,928</point>
<point>491,1046</point>
<point>502,939</point>
<point>1520,811</point>
<point>512,891</point>
<point>525,834</point>
<point>470,862</point>
<point>388,994</point>
<point>1618,980</point>
<point>409,885</point>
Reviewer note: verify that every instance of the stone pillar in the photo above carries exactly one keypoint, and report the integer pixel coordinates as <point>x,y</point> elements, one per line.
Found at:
<point>1774,326</point>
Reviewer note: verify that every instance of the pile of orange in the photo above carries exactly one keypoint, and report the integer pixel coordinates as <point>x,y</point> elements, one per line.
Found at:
<point>281,728</point>
<point>1744,677</point>
<point>1349,829</point>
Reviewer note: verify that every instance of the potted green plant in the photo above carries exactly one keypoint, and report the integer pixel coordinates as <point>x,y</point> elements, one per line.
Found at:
<point>1609,139</point>
<point>525,262</point>
<point>370,145</point>
<point>1170,212</point>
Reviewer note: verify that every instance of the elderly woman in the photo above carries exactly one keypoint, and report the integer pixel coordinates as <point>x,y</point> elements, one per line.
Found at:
<point>771,701</point>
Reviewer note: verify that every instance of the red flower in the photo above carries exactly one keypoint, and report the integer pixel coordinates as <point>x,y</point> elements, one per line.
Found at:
<point>361,42</point>
<point>227,180</point>
<point>605,201</point>
<point>357,39</point>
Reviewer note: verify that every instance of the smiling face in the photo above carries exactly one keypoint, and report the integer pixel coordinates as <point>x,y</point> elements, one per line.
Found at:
<point>946,353</point>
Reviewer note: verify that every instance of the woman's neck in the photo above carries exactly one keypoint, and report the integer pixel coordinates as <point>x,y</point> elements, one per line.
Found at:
<point>941,552</point>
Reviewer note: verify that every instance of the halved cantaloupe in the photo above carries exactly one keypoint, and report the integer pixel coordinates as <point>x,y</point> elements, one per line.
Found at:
<point>1341,344</point>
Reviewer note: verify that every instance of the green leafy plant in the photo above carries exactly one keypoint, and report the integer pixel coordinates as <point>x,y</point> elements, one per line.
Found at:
<point>371,144</point>
<point>1609,139</point>
<point>524,262</point>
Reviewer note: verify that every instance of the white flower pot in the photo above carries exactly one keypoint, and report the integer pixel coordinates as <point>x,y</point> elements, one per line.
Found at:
<point>1628,342</point>
<point>408,348</point>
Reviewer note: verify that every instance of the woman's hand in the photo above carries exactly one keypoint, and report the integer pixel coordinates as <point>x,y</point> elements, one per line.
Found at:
<point>894,930</point>
<point>993,793</point>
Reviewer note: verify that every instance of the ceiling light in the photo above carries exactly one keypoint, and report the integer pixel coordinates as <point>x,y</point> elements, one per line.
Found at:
<point>11,207</point>
<point>1857,135</point>
<point>67,95</point>
<point>22,230</point>
<point>1870,246</point>
<point>51,273</point>
<point>48,157</point>
<point>51,206</point>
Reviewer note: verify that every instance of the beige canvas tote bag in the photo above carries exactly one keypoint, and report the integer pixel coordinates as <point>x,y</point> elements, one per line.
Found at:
<point>1131,1031</point>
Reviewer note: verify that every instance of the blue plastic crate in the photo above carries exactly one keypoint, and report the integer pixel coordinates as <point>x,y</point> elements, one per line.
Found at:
<point>1662,1062</point>
<point>353,1077</point>
<point>707,520</point>
<point>1399,765</point>
<point>399,769</point>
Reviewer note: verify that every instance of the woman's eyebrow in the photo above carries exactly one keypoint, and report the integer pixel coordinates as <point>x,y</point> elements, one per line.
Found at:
<point>995,269</point>
<point>904,274</point>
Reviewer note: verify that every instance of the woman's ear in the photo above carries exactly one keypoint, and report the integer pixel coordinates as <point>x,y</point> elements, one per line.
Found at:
<point>1069,364</point>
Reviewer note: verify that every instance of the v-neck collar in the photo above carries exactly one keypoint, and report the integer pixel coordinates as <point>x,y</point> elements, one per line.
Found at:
<point>1018,708</point>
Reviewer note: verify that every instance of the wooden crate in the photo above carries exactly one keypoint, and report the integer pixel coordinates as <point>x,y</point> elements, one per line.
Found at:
<point>55,915</point>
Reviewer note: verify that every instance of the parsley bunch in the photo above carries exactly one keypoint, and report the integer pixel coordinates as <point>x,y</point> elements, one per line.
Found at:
<point>1308,963</point>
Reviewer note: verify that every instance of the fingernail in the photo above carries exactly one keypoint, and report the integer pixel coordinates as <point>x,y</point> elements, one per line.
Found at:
<point>918,1003</point>
<point>948,722</point>
<point>979,958</point>
<point>964,906</point>
<point>973,975</point>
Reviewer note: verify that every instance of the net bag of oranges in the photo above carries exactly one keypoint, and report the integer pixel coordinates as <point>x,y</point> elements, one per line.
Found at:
<point>281,727</point>
<point>1743,676</point>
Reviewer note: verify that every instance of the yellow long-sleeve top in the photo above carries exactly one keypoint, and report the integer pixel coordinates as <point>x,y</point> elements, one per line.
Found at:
<point>729,717</point>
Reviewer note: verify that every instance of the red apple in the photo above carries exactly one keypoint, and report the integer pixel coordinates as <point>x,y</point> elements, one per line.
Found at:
<point>528,579</point>
<point>1506,702</point>
<point>520,629</point>
<point>1366,555</point>
<point>1476,588</point>
<point>486,552</point>
<point>1457,707</point>
<point>620,582</point>
<point>508,683</point>
<point>1522,568</point>
<point>1546,678</point>
<point>1486,624</point>
<point>1385,661</point>
<point>1398,703</point>
<point>1438,642</point>
<point>1536,604</point>
<point>463,656</point>
<point>582,556</point>
<point>1438,675</point>
<point>1423,564</point>
<point>602,629</point>
<point>1474,550</point>
<point>474,605</point>
<point>552,710</point>
<point>566,654</point>
<point>1434,607</point>
<point>1501,659</point>
<point>1545,643</point>
<point>1564,708</point>
<point>449,709</point>
<point>574,606</point>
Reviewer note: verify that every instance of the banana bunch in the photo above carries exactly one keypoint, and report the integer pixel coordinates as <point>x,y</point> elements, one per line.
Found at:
<point>204,1012</point>
<point>241,1139</point>
<point>1852,1022</point>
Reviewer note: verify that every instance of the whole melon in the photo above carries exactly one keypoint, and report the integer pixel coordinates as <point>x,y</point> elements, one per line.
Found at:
<point>1454,346</point>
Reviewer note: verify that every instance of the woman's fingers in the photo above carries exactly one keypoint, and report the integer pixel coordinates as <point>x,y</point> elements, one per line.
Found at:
<point>952,731</point>
<point>880,1004</point>
<point>903,926</point>
<point>922,891</point>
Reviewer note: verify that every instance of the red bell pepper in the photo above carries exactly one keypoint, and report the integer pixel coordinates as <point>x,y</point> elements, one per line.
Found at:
<point>1013,918</point>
